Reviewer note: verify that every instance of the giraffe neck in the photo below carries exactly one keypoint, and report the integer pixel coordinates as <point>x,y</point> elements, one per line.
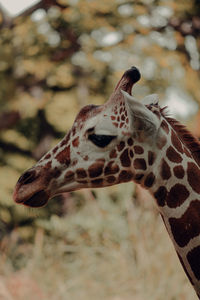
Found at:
<point>173,182</point>
<point>125,140</point>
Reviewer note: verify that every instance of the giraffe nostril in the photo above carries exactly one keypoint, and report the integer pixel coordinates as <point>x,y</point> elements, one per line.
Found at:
<point>27,177</point>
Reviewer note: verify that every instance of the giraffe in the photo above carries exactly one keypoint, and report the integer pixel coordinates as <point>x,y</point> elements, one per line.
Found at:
<point>128,140</point>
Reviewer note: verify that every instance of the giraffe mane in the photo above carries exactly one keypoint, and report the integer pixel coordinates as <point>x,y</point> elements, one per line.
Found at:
<point>191,142</point>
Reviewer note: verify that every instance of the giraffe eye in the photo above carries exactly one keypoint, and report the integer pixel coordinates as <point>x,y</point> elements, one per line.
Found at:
<point>101,140</point>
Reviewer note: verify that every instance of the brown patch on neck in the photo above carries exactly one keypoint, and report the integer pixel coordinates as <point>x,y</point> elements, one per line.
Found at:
<point>151,158</point>
<point>179,172</point>
<point>188,226</point>
<point>173,156</point>
<point>149,180</point>
<point>193,258</point>
<point>193,174</point>
<point>165,170</point>
<point>177,195</point>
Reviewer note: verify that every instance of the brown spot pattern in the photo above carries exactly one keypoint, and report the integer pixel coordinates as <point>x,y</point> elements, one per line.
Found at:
<point>140,163</point>
<point>193,175</point>
<point>65,140</point>
<point>176,142</point>
<point>130,141</point>
<point>165,170</point>
<point>188,226</point>
<point>138,149</point>
<point>47,156</point>
<point>131,153</point>
<point>55,149</point>
<point>149,180</point>
<point>55,173</point>
<point>179,172</point>
<point>81,173</point>
<point>151,158</point>
<point>124,158</point>
<point>75,142</point>
<point>125,176</point>
<point>69,175</point>
<point>113,153</point>
<point>177,195</point>
<point>173,155</point>
<point>64,156</point>
<point>111,168</point>
<point>75,161</point>
<point>74,131</point>
<point>161,195</point>
<point>121,146</point>
<point>96,169</point>
<point>111,179</point>
<point>48,165</point>
<point>193,257</point>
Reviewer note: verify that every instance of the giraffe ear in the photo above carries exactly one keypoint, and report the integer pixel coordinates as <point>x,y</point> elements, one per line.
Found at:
<point>150,99</point>
<point>143,119</point>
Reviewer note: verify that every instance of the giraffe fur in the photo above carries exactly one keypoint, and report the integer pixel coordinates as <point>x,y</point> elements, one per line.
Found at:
<point>128,140</point>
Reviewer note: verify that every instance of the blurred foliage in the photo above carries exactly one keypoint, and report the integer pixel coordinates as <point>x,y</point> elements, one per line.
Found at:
<point>59,55</point>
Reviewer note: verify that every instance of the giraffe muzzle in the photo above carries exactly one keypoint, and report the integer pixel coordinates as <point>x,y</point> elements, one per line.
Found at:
<point>31,189</point>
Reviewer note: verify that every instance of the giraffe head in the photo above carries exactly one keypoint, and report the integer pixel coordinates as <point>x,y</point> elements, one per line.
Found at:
<point>107,145</point>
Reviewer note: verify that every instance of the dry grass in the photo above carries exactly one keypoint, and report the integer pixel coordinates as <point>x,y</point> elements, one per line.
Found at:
<point>101,250</point>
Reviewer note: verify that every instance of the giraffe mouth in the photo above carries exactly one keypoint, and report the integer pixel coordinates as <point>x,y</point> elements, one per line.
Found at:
<point>38,199</point>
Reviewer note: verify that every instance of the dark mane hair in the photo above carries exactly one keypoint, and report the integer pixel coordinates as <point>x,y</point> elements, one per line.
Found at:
<point>187,138</point>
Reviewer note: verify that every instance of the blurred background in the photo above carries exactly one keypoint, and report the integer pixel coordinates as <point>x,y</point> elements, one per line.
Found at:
<point>55,57</point>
